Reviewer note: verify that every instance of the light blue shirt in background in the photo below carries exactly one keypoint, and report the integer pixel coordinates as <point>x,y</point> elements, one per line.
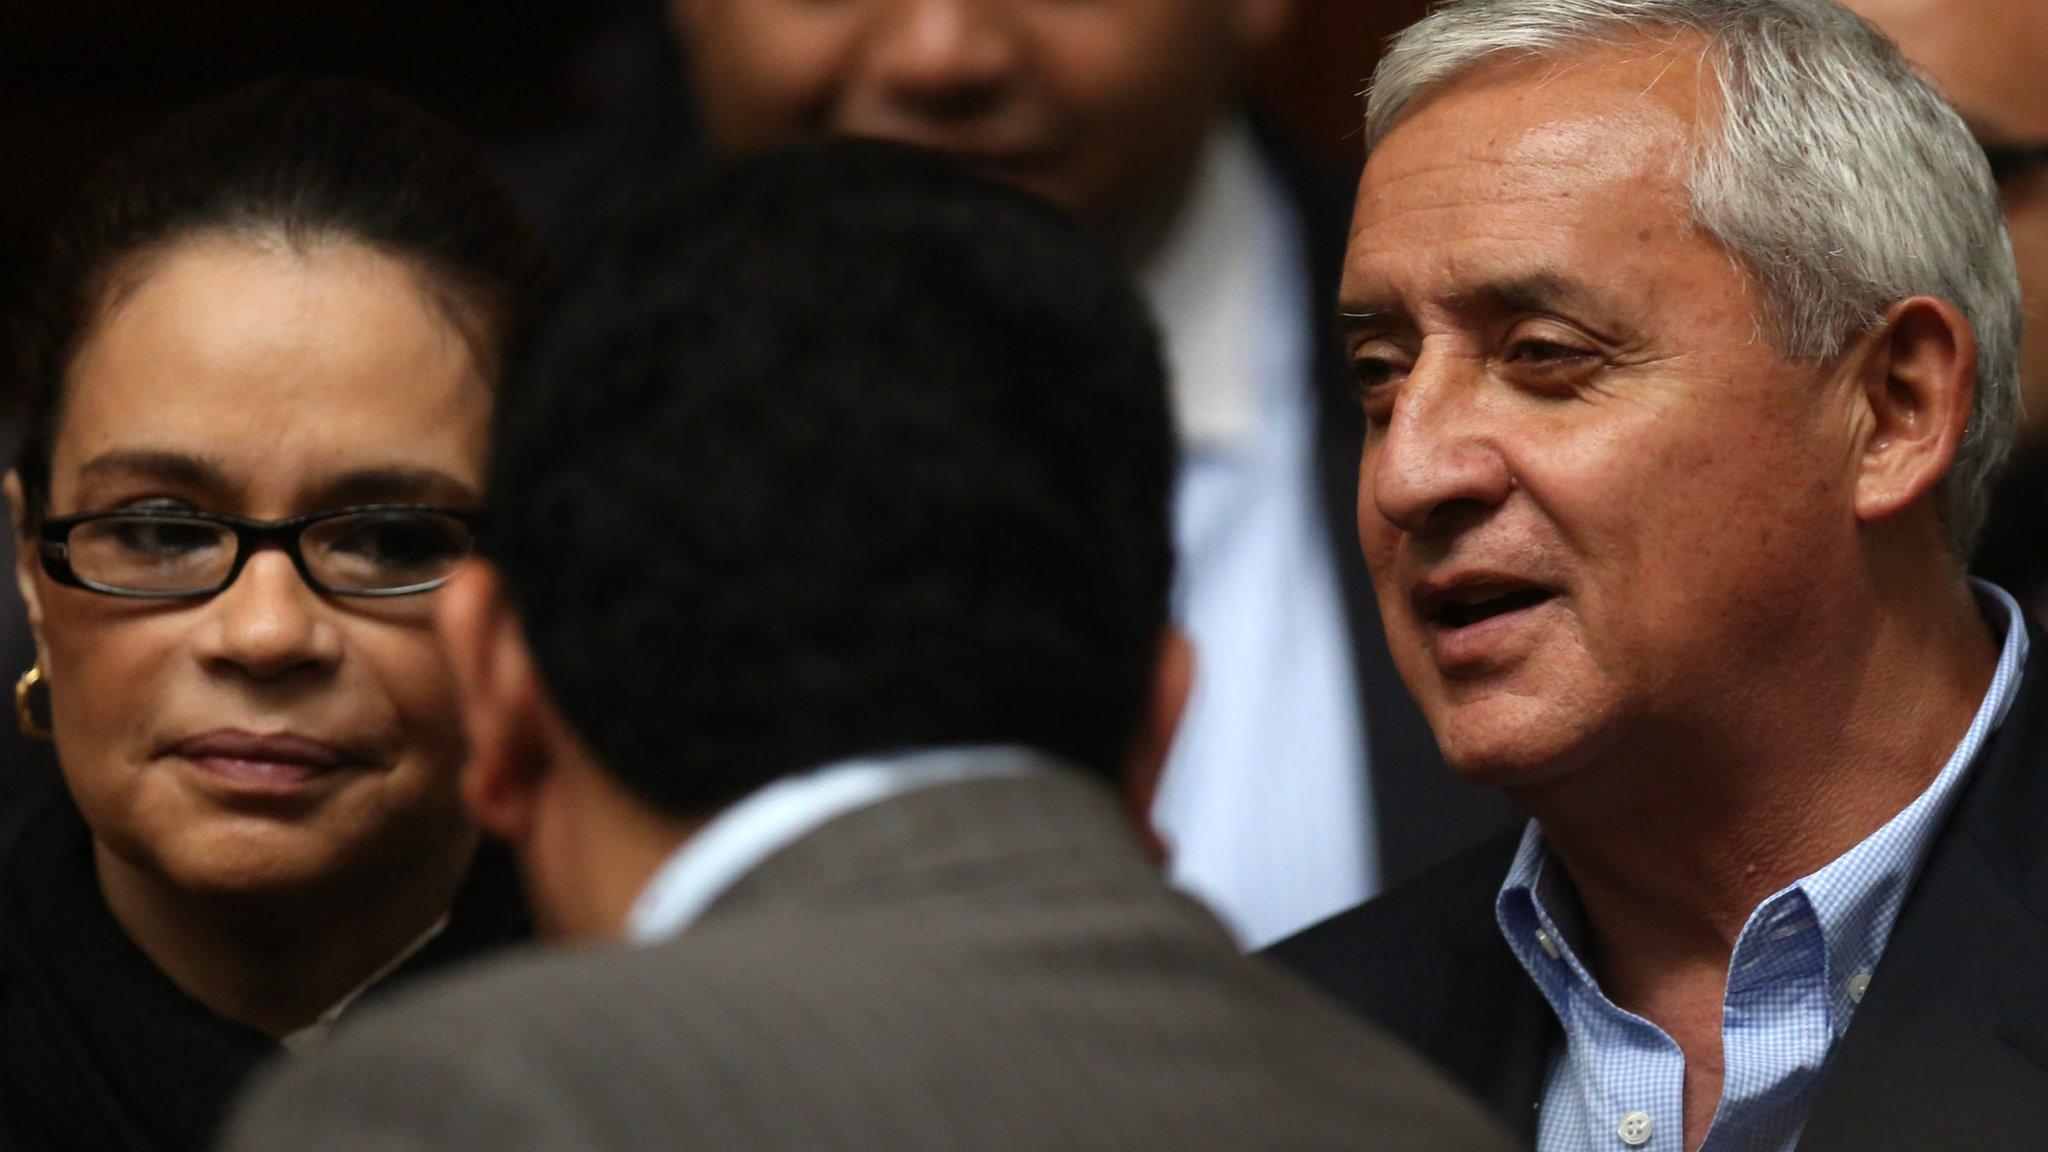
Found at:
<point>1798,971</point>
<point>1265,802</point>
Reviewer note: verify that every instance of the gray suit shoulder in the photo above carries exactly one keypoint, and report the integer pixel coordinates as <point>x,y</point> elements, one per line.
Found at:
<point>771,1030</point>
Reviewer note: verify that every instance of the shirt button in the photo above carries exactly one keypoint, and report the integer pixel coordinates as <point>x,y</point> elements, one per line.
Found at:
<point>1858,985</point>
<point>1634,1129</point>
<point>1549,945</point>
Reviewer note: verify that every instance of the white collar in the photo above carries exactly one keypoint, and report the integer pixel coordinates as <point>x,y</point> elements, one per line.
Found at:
<point>772,818</point>
<point>1207,283</point>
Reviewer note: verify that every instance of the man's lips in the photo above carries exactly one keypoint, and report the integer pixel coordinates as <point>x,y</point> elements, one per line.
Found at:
<point>1461,600</point>
<point>263,762</point>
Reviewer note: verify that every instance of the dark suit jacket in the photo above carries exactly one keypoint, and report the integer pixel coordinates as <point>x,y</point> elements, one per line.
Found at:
<point>1422,812</point>
<point>1949,1048</point>
<point>986,965</point>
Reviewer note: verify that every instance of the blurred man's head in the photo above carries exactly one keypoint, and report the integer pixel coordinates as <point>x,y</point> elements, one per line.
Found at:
<point>1990,59</point>
<point>843,453</point>
<point>1101,106</point>
<point>1686,334</point>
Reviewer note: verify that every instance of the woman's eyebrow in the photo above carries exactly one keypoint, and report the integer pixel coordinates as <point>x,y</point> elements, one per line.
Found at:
<point>396,485</point>
<point>161,465</point>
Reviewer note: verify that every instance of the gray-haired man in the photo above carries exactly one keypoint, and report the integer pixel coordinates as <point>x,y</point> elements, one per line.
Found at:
<point>1687,333</point>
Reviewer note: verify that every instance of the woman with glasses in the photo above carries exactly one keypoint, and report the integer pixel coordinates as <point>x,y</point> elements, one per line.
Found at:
<point>260,377</point>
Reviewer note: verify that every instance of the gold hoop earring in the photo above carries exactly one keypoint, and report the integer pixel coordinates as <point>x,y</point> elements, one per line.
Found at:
<point>25,705</point>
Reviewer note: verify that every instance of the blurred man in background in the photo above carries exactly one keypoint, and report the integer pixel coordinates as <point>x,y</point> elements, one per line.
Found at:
<point>1990,59</point>
<point>829,619</point>
<point>1303,779</point>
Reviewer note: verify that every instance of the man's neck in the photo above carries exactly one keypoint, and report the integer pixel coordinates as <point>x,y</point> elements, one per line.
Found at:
<point>276,963</point>
<point>1672,841</point>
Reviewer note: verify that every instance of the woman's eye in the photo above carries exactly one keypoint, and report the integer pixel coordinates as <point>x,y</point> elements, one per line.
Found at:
<point>398,542</point>
<point>163,537</point>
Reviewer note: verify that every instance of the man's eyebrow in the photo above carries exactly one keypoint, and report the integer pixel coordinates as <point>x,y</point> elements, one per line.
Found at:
<point>1354,317</point>
<point>396,485</point>
<point>1531,292</point>
<point>1527,292</point>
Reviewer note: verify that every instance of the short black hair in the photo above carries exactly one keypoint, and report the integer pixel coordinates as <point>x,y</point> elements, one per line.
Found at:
<point>838,452</point>
<point>304,158</point>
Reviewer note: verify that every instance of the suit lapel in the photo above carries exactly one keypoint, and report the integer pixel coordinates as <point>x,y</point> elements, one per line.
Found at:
<point>1950,1047</point>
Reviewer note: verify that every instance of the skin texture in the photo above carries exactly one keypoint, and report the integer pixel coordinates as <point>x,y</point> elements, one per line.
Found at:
<point>1100,107</point>
<point>1567,399</point>
<point>586,845</point>
<point>271,381</point>
<point>1988,57</point>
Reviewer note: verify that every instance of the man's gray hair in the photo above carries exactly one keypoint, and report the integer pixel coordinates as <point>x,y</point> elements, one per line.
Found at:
<point>1838,179</point>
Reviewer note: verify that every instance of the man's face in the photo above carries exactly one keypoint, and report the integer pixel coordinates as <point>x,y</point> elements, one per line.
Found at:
<point>1990,59</point>
<point>1098,105</point>
<point>1595,501</point>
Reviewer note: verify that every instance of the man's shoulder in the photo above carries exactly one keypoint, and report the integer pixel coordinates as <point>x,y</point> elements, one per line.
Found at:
<point>1115,1023</point>
<point>1402,959</point>
<point>1447,906</point>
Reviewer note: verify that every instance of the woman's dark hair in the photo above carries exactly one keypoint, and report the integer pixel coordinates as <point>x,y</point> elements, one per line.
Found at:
<point>302,160</point>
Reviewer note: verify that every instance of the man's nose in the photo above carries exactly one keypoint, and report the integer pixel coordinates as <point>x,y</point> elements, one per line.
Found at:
<point>947,58</point>
<point>268,623</point>
<point>1437,464</point>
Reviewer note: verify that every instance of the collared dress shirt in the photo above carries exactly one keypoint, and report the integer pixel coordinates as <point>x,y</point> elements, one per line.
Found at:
<point>1801,964</point>
<point>1265,802</point>
<point>769,819</point>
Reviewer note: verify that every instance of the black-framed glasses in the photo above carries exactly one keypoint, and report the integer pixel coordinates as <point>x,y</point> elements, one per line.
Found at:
<point>369,550</point>
<point>2012,161</point>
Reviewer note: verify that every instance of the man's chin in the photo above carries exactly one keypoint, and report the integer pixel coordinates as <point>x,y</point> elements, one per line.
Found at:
<point>1510,746</point>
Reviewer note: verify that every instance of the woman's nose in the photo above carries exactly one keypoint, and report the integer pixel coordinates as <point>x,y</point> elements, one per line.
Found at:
<point>269,623</point>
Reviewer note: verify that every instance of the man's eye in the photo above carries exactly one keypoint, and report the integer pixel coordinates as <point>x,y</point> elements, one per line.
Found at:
<point>1545,352</point>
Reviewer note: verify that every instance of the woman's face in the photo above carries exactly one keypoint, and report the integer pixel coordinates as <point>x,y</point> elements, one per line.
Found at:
<point>252,378</point>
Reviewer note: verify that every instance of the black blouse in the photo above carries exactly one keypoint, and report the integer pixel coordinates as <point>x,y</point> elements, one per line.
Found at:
<point>99,1051</point>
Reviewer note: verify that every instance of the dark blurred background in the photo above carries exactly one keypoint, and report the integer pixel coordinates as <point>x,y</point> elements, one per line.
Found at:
<point>565,95</point>
<point>553,88</point>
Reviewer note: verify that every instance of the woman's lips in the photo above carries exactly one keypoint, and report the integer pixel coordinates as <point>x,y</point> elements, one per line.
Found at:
<point>266,764</point>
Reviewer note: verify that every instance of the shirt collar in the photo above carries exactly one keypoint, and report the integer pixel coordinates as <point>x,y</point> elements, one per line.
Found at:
<point>1856,897</point>
<point>771,818</point>
<point>1207,283</point>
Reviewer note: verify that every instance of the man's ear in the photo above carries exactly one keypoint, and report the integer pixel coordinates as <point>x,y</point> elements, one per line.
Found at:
<point>26,560</point>
<point>502,701</point>
<point>1173,680</point>
<point>1918,380</point>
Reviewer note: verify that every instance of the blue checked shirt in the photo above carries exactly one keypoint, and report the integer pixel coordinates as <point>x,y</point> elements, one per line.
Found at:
<point>1800,967</point>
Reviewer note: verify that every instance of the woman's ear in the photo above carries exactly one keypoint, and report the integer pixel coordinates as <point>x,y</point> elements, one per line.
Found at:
<point>25,556</point>
<point>1918,387</point>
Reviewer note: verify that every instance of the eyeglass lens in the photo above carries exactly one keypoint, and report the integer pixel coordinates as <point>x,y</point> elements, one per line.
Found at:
<point>376,551</point>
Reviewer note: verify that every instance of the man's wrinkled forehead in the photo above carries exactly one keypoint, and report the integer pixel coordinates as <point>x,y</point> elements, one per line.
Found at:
<point>1509,159</point>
